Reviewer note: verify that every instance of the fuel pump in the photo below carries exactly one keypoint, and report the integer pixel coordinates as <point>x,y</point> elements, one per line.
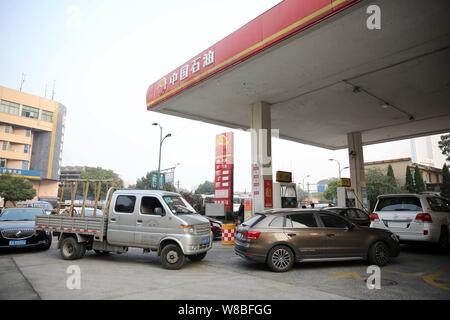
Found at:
<point>284,191</point>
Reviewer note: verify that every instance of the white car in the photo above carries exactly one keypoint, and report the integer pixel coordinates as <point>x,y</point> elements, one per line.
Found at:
<point>421,217</point>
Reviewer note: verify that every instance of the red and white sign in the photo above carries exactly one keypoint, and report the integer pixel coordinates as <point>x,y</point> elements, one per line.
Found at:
<point>224,170</point>
<point>268,194</point>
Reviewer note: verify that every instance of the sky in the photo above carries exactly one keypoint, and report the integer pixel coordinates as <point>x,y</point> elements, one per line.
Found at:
<point>103,55</point>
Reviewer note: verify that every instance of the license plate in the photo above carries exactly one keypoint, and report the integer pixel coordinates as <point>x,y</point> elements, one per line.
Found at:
<point>13,243</point>
<point>205,240</point>
<point>397,224</point>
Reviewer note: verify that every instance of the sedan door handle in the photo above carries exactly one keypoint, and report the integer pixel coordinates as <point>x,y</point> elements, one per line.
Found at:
<point>139,221</point>
<point>292,234</point>
<point>112,219</point>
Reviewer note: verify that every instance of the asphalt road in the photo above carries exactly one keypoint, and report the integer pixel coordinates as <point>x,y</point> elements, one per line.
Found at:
<point>419,273</point>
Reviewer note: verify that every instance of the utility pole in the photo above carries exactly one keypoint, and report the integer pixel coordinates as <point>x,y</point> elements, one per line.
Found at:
<point>53,91</point>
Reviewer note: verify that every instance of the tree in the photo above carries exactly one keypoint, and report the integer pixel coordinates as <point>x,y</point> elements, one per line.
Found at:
<point>419,184</point>
<point>378,183</point>
<point>195,200</point>
<point>391,176</point>
<point>445,186</point>
<point>331,192</point>
<point>206,187</point>
<point>409,184</point>
<point>100,174</point>
<point>15,189</point>
<point>145,182</point>
<point>444,145</point>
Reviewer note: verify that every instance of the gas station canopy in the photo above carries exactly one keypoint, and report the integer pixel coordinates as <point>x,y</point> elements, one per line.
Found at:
<point>323,72</point>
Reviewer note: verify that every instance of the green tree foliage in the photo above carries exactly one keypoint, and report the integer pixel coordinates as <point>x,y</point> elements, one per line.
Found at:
<point>331,191</point>
<point>206,187</point>
<point>444,145</point>
<point>409,183</point>
<point>14,189</point>
<point>445,186</point>
<point>378,183</point>
<point>145,182</point>
<point>391,176</point>
<point>98,174</point>
<point>419,184</point>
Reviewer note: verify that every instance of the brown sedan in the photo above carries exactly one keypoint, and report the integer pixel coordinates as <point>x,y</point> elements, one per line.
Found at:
<point>282,237</point>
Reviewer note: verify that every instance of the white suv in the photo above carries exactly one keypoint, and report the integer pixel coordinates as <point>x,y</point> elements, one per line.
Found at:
<point>414,217</point>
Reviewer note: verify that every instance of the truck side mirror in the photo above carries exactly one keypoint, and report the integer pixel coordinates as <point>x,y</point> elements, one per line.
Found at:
<point>159,211</point>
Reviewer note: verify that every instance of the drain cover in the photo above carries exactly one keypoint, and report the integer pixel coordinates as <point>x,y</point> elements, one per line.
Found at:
<point>386,282</point>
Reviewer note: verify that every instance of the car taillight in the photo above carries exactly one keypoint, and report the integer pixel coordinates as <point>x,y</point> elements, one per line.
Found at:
<point>252,235</point>
<point>424,217</point>
<point>374,217</point>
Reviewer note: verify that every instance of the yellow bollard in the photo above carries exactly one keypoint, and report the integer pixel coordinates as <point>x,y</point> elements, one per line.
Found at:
<point>228,234</point>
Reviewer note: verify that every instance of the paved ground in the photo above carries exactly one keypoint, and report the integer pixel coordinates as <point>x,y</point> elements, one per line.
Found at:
<point>419,273</point>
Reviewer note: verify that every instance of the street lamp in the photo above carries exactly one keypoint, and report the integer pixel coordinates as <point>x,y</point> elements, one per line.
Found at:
<point>343,169</point>
<point>303,182</point>
<point>339,166</point>
<point>161,140</point>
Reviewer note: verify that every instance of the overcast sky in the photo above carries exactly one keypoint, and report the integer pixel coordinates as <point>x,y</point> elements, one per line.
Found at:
<point>104,54</point>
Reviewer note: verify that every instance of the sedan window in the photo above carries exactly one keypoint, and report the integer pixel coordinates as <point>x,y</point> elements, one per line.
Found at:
<point>332,221</point>
<point>302,220</point>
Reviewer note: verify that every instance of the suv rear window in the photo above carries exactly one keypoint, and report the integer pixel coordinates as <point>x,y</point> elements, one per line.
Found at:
<point>399,204</point>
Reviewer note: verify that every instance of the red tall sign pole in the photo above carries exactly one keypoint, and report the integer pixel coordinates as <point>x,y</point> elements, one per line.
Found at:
<point>224,170</point>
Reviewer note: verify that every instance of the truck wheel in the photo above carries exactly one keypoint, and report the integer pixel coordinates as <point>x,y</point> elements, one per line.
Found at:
<point>444,241</point>
<point>172,257</point>
<point>379,254</point>
<point>197,257</point>
<point>70,249</point>
<point>280,259</point>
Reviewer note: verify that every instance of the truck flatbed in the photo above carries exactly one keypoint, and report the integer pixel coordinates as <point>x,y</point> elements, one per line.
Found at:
<point>67,224</point>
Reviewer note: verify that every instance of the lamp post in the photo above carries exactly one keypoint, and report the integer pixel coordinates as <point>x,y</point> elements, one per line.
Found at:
<point>343,169</point>
<point>339,166</point>
<point>303,182</point>
<point>161,140</point>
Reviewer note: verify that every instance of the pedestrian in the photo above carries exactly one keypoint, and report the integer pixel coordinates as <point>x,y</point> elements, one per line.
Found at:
<point>241,212</point>
<point>312,205</point>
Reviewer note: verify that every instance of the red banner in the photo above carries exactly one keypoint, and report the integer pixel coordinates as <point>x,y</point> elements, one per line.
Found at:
<point>275,25</point>
<point>268,194</point>
<point>224,170</point>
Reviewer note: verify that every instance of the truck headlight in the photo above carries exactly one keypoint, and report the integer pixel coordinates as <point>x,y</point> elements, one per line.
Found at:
<point>188,229</point>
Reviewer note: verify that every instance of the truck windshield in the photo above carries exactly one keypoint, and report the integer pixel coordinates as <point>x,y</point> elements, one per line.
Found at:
<point>178,205</point>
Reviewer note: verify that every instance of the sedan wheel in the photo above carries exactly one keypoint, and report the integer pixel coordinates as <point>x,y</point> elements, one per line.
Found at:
<point>280,259</point>
<point>379,254</point>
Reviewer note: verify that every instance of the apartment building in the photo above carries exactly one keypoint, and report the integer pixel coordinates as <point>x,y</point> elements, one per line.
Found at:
<point>31,139</point>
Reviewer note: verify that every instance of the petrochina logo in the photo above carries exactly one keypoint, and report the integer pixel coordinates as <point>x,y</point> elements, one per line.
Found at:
<point>221,140</point>
<point>162,83</point>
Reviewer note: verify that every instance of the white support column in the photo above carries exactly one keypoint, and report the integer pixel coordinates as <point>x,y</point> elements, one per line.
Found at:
<point>356,161</point>
<point>261,143</point>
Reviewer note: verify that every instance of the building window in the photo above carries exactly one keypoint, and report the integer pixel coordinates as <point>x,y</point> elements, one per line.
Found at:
<point>2,163</point>
<point>26,148</point>
<point>24,165</point>
<point>47,116</point>
<point>9,107</point>
<point>5,145</point>
<point>28,133</point>
<point>8,129</point>
<point>30,112</point>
